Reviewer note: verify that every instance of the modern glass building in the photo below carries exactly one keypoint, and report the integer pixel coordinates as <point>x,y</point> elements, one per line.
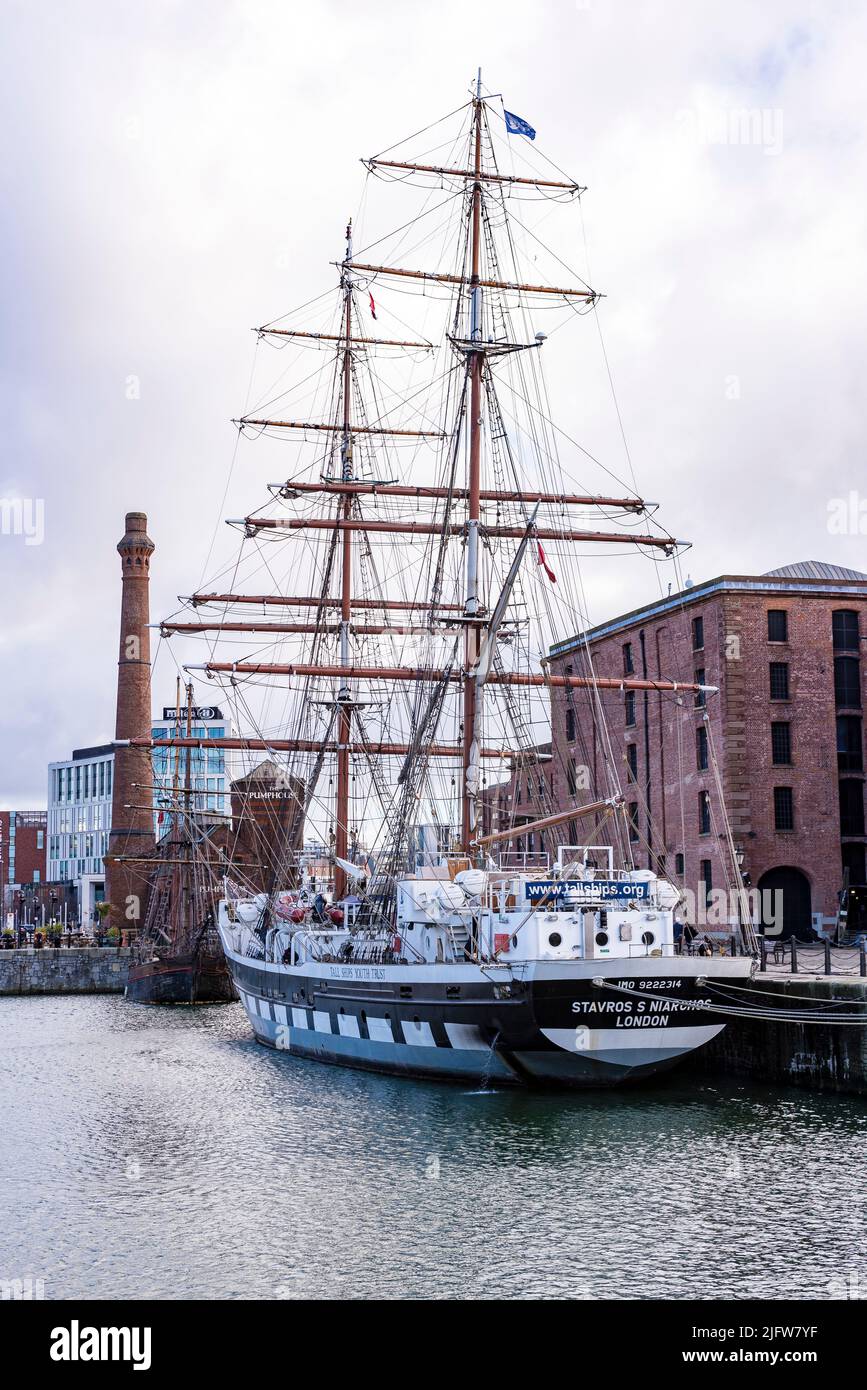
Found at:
<point>79,819</point>
<point>211,768</point>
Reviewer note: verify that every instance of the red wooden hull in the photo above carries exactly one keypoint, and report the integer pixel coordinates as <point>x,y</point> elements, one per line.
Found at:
<point>199,979</point>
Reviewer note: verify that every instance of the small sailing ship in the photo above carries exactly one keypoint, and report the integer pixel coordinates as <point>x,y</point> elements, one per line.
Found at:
<point>403,584</point>
<point>179,957</point>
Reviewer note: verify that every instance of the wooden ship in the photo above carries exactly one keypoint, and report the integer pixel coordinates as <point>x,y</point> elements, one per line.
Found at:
<point>179,958</point>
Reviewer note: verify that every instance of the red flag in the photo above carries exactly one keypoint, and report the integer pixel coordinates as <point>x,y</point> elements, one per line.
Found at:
<point>545,566</point>
<point>372,305</point>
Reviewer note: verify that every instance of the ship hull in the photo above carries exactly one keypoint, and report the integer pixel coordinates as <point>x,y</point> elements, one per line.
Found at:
<point>199,979</point>
<point>550,1028</point>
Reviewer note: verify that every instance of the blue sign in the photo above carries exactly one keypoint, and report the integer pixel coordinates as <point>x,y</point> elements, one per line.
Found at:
<point>604,890</point>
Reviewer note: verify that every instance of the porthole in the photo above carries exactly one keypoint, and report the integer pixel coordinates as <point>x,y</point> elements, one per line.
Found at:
<point>647,938</point>
<point>514,942</point>
<point>602,938</point>
<point>555,939</point>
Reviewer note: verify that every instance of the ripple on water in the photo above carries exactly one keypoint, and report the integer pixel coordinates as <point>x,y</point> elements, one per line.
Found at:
<point>162,1153</point>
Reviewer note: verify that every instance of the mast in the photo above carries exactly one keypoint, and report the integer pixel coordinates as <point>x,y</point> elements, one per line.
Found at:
<point>177,773</point>
<point>471,607</point>
<point>183,905</point>
<point>344,698</point>
<point>187,771</point>
<point>405,509</point>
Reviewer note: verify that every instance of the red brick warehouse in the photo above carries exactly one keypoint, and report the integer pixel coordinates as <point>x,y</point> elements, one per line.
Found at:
<point>782,740</point>
<point>785,733</point>
<point>22,847</point>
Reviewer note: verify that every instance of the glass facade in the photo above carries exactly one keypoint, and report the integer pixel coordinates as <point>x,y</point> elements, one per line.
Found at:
<point>210,769</point>
<point>79,816</point>
<point>80,790</point>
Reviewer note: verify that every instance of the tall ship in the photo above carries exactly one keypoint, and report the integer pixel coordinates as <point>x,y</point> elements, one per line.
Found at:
<point>382,633</point>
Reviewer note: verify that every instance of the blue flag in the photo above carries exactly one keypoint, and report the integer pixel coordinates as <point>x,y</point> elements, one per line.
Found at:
<point>516,125</point>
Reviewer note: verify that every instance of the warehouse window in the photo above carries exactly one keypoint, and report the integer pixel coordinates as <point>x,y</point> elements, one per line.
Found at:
<point>854,861</point>
<point>778,625</point>
<point>632,761</point>
<point>697,634</point>
<point>701,747</point>
<point>779,680</point>
<point>704,813</point>
<point>847,680</point>
<point>570,726</point>
<point>784,809</point>
<point>700,698</point>
<point>844,625</point>
<point>781,743</point>
<point>628,666</point>
<point>706,881</point>
<point>851,806</point>
<point>850,756</point>
<point>630,707</point>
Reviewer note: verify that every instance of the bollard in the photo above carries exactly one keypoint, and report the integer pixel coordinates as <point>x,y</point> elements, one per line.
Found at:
<point>827,957</point>
<point>763,968</point>
<point>794,945</point>
<point>862,959</point>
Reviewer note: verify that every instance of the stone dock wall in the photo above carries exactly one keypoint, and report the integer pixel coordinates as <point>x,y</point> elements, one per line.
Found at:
<point>76,970</point>
<point>819,1056</point>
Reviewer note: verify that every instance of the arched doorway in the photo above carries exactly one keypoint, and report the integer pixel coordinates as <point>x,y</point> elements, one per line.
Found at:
<point>795,900</point>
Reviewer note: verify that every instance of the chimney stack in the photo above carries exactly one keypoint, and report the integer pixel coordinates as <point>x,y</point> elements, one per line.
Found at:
<point>132,831</point>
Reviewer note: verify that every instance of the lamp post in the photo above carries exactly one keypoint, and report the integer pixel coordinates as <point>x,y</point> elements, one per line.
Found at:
<point>739,860</point>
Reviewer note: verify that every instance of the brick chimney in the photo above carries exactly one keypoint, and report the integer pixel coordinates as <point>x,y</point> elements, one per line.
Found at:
<point>132,831</point>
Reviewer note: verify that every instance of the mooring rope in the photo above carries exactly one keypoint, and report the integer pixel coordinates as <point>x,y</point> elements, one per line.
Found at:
<point>766,1015</point>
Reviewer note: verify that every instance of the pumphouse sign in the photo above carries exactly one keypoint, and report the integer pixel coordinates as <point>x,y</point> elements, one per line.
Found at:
<point>602,890</point>
<point>201,712</point>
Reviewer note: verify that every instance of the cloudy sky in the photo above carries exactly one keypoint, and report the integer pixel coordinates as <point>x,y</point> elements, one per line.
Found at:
<point>172,172</point>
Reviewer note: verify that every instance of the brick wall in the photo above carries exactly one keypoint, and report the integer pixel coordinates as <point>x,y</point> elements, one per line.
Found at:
<point>30,856</point>
<point>735,656</point>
